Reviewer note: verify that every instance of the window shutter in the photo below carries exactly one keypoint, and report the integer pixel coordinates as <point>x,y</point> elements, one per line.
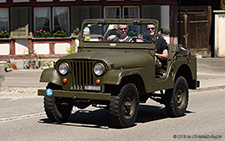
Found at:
<point>151,12</point>
<point>79,13</point>
<point>95,12</point>
<point>20,22</point>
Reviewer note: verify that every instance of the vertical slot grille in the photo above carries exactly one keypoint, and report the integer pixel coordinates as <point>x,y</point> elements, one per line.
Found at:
<point>82,74</point>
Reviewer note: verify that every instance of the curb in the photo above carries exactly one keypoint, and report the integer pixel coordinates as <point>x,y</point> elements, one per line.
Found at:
<point>210,88</point>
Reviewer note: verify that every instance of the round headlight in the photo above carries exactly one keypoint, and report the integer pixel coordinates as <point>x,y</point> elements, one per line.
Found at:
<point>63,68</point>
<point>99,69</point>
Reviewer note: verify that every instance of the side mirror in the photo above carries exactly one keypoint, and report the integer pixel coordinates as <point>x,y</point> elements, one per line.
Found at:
<point>76,31</point>
<point>165,30</point>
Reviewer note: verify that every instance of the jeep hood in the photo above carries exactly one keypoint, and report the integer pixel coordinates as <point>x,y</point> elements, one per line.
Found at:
<point>119,59</point>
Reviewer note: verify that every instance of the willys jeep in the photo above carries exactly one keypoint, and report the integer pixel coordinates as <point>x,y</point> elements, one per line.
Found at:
<point>118,75</point>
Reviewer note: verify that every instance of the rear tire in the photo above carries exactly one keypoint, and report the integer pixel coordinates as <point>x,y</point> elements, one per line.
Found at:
<point>177,98</point>
<point>54,109</point>
<point>124,107</point>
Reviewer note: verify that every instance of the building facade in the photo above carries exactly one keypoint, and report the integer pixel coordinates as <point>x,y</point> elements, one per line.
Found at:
<point>46,27</point>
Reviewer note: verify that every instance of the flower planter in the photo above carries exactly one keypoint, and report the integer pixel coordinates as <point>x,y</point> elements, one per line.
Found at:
<point>31,65</point>
<point>4,36</point>
<point>42,36</point>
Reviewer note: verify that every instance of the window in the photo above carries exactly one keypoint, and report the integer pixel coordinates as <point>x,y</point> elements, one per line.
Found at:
<point>115,12</point>
<point>21,1</point>
<point>131,12</point>
<point>67,0</point>
<point>42,19</point>
<point>112,12</point>
<point>4,20</point>
<point>44,0</point>
<point>61,20</point>
<point>46,26</point>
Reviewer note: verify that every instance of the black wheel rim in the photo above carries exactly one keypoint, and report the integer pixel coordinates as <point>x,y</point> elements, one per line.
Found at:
<point>128,107</point>
<point>180,97</point>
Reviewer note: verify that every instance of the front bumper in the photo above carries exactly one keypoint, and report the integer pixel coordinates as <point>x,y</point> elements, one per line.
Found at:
<point>77,95</point>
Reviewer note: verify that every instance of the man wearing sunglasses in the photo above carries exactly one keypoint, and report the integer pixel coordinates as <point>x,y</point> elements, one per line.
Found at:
<point>161,54</point>
<point>122,36</point>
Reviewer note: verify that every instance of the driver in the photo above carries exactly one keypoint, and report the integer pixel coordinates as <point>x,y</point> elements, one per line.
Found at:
<point>121,37</point>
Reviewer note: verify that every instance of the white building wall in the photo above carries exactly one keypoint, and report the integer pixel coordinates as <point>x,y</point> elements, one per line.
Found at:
<point>221,49</point>
<point>21,47</point>
<point>5,49</point>
<point>219,33</point>
<point>41,48</point>
<point>165,20</point>
<point>61,48</point>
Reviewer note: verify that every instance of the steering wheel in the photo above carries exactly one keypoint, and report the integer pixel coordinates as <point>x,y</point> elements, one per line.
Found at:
<point>142,39</point>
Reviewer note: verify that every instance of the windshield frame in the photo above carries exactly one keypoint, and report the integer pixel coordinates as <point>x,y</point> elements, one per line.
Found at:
<point>118,44</point>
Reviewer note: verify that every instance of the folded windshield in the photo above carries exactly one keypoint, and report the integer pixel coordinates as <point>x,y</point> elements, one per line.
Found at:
<point>93,32</point>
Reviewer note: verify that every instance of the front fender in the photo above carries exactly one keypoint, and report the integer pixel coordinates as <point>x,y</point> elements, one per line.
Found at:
<point>115,77</point>
<point>51,75</point>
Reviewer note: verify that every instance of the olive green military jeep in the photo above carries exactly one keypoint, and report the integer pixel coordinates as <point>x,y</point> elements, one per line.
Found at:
<point>118,75</point>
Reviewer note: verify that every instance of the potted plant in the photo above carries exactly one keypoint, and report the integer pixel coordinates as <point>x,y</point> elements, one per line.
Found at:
<point>4,34</point>
<point>222,5</point>
<point>32,58</point>
<point>59,33</point>
<point>42,34</point>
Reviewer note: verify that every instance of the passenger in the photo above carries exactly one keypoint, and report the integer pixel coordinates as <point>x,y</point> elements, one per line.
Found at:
<point>161,54</point>
<point>122,37</point>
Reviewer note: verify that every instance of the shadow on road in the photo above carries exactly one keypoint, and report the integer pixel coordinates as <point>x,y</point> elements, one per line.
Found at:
<point>101,118</point>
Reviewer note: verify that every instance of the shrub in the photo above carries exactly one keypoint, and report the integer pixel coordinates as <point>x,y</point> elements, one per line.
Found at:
<point>72,49</point>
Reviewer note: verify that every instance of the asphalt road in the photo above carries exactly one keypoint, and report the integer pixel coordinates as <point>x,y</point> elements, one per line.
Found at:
<point>24,119</point>
<point>24,78</point>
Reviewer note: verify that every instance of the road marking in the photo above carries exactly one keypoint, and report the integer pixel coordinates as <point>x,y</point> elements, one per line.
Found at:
<point>21,117</point>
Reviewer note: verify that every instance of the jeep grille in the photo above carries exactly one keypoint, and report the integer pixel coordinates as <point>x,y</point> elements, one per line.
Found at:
<point>83,74</point>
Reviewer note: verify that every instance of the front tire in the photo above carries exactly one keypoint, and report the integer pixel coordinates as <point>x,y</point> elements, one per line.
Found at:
<point>54,109</point>
<point>177,98</point>
<point>124,106</point>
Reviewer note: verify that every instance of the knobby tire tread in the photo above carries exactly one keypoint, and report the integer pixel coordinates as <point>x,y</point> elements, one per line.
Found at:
<point>115,108</point>
<point>170,108</point>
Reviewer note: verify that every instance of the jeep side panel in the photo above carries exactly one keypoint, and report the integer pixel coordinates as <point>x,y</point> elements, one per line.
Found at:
<point>181,66</point>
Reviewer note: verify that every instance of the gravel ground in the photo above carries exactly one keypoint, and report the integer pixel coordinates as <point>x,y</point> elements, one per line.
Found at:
<point>19,92</point>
